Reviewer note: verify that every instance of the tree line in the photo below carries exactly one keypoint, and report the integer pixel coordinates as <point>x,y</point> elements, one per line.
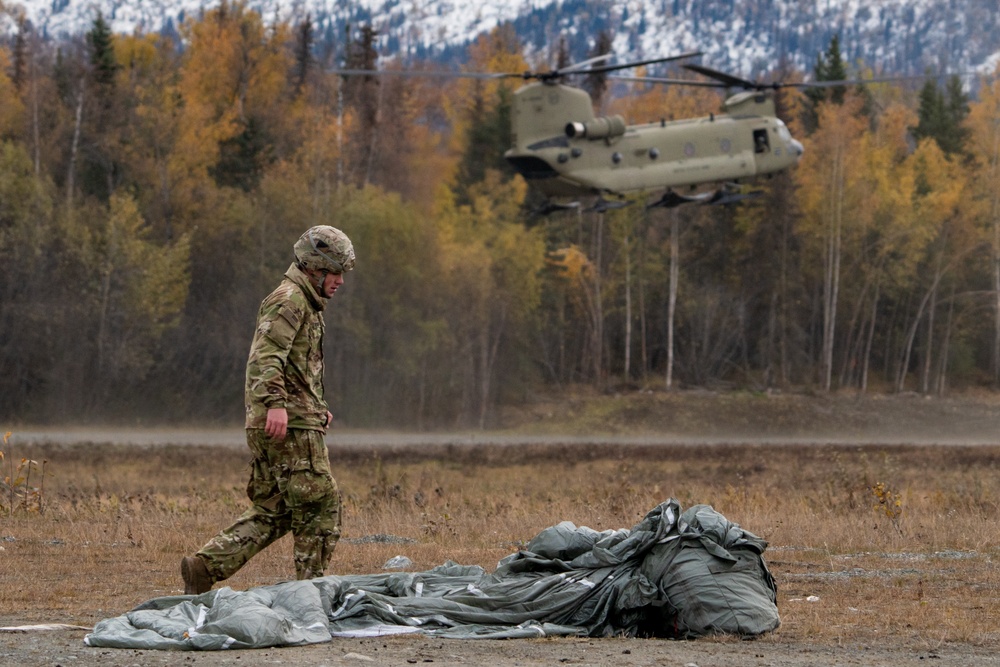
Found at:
<point>151,190</point>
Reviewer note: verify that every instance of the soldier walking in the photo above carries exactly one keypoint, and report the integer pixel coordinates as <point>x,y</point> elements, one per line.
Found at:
<point>291,486</point>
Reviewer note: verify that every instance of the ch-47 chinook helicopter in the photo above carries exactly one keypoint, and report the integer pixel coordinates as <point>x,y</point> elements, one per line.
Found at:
<point>567,153</point>
<point>564,151</point>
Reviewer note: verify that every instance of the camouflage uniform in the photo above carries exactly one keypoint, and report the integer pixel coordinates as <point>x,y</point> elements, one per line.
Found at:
<point>291,486</point>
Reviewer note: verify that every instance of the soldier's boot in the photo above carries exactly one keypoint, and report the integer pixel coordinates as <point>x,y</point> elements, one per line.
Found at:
<point>197,579</point>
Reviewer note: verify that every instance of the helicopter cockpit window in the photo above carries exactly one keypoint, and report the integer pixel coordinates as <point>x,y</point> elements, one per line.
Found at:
<point>760,143</point>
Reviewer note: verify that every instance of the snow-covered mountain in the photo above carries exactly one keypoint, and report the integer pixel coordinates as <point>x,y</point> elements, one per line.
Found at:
<point>744,36</point>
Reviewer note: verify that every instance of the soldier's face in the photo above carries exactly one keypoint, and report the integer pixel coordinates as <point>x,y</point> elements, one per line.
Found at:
<point>330,284</point>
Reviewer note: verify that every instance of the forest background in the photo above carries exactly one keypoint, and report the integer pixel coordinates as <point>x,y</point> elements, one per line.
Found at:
<point>151,190</point>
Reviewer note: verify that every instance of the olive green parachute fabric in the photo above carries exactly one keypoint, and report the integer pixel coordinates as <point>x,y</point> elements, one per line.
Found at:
<point>672,575</point>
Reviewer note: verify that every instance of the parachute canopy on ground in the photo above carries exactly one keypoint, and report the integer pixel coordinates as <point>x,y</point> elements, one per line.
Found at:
<point>674,575</point>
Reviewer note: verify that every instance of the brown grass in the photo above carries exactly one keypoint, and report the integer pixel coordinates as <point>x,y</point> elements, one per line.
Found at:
<point>912,561</point>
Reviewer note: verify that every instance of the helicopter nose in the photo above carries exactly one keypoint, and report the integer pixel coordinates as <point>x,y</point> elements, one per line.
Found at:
<point>796,148</point>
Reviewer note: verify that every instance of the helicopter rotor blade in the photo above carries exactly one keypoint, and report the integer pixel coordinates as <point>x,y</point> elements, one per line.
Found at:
<point>848,82</point>
<point>728,79</point>
<point>723,79</point>
<point>585,63</point>
<point>671,82</point>
<point>718,78</point>
<point>639,63</point>
<point>583,67</point>
<point>429,74</point>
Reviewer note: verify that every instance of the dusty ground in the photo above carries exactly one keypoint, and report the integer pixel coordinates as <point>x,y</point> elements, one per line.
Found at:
<point>709,416</point>
<point>643,417</point>
<point>695,417</point>
<point>67,649</point>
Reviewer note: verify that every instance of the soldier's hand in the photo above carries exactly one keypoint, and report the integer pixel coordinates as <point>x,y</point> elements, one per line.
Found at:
<point>277,423</point>
<point>329,418</point>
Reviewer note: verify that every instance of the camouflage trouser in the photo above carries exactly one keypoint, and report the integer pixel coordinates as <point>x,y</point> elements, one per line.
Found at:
<point>292,489</point>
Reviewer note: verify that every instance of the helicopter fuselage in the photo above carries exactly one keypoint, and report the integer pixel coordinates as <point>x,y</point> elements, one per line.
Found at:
<point>563,150</point>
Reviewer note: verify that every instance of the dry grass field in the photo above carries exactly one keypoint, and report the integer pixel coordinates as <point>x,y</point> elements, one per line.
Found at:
<point>887,547</point>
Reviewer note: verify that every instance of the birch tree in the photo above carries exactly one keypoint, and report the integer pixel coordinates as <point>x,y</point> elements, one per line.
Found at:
<point>498,268</point>
<point>831,188</point>
<point>939,214</point>
<point>984,145</point>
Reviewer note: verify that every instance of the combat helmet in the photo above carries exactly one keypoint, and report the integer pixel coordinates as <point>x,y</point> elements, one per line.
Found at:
<point>324,248</point>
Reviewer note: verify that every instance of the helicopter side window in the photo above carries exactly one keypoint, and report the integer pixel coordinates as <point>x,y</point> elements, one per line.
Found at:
<point>760,143</point>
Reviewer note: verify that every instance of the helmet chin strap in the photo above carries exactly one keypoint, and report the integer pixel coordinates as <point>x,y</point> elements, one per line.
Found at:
<point>317,278</point>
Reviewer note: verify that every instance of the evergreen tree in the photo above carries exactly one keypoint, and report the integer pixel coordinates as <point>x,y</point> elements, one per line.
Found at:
<point>941,114</point>
<point>931,111</point>
<point>829,67</point>
<point>597,83</point>
<point>20,55</point>
<point>360,92</point>
<point>242,158</point>
<point>362,98</point>
<point>562,55</point>
<point>957,110</point>
<point>835,70</point>
<point>99,115</point>
<point>305,38</point>
<point>102,52</point>
<point>487,140</point>
<point>487,114</point>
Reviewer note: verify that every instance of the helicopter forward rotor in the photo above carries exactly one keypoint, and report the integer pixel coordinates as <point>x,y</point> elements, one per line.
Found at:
<point>583,67</point>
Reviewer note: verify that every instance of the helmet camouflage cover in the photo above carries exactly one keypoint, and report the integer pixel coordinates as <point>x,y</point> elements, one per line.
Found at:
<point>325,248</point>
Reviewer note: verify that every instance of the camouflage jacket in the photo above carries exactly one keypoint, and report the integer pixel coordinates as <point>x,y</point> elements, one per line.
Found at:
<point>285,368</point>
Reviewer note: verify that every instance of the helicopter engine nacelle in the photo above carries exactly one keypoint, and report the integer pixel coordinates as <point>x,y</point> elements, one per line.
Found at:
<point>750,103</point>
<point>606,127</point>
